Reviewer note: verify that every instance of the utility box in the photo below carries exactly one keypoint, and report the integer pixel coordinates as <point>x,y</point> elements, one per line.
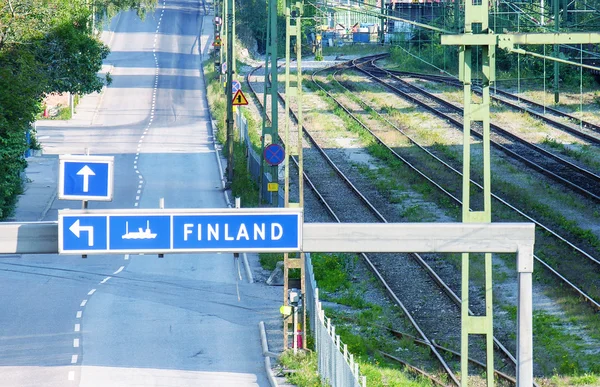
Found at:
<point>360,37</point>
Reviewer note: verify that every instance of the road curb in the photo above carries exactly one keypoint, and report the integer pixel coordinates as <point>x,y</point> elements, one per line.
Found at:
<point>267,355</point>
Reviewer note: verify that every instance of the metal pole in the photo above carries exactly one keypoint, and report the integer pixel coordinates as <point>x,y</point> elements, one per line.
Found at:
<point>228,93</point>
<point>556,65</point>
<point>525,318</point>
<point>295,344</point>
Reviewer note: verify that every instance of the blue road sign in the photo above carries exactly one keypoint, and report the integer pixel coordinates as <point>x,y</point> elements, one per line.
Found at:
<point>179,231</point>
<point>86,177</point>
<point>235,86</point>
<point>87,233</point>
<point>274,154</point>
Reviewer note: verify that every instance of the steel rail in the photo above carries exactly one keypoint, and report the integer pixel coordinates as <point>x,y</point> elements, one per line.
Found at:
<point>574,130</point>
<point>595,304</point>
<point>414,369</point>
<point>517,140</point>
<point>450,351</point>
<point>370,264</point>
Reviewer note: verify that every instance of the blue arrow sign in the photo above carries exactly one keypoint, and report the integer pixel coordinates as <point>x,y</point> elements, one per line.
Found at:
<point>85,177</point>
<point>87,233</point>
<point>178,231</point>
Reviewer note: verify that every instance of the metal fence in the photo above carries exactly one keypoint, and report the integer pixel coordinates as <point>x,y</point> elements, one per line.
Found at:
<point>336,366</point>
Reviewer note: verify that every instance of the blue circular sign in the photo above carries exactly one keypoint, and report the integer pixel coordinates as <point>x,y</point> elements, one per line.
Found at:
<point>274,154</point>
<point>235,86</point>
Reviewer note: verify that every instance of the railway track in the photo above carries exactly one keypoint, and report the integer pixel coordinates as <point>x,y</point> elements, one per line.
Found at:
<point>573,176</point>
<point>346,203</point>
<point>570,283</point>
<point>585,130</point>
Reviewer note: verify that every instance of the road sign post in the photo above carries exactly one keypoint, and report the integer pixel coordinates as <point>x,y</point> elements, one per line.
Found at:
<point>86,177</point>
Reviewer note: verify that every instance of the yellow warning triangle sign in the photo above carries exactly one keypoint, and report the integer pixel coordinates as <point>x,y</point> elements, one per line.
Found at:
<point>239,98</point>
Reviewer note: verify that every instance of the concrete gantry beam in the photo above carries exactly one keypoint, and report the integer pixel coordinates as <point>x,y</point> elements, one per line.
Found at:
<point>417,237</point>
<point>29,238</point>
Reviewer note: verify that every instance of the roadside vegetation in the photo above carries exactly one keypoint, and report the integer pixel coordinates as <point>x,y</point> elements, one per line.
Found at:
<point>45,47</point>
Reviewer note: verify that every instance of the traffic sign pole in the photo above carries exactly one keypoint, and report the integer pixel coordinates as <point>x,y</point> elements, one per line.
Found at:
<point>229,120</point>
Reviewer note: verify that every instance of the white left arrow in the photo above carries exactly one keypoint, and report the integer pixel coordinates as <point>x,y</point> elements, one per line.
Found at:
<point>86,172</point>
<point>77,229</point>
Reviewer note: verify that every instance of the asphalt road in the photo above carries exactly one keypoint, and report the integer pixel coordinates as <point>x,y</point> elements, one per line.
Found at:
<point>181,320</point>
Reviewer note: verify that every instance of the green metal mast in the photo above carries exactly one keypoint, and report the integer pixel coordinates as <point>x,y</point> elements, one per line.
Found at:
<point>556,64</point>
<point>476,22</point>
<point>270,134</point>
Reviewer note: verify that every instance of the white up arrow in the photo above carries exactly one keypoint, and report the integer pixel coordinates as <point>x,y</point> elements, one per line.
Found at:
<point>76,229</point>
<point>86,172</point>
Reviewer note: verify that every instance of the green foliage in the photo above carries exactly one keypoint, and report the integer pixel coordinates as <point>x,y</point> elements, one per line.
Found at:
<point>71,58</point>
<point>305,363</point>
<point>330,271</point>
<point>268,261</point>
<point>106,9</point>
<point>45,47</point>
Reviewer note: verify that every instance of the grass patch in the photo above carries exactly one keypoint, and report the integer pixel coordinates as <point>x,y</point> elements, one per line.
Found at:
<point>268,261</point>
<point>305,365</point>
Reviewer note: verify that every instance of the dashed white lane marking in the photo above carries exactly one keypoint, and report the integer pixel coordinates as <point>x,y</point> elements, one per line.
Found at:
<point>77,327</point>
<point>153,108</point>
<point>119,270</point>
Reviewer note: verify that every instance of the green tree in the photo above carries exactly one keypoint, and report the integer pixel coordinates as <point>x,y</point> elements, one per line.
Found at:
<point>46,46</point>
